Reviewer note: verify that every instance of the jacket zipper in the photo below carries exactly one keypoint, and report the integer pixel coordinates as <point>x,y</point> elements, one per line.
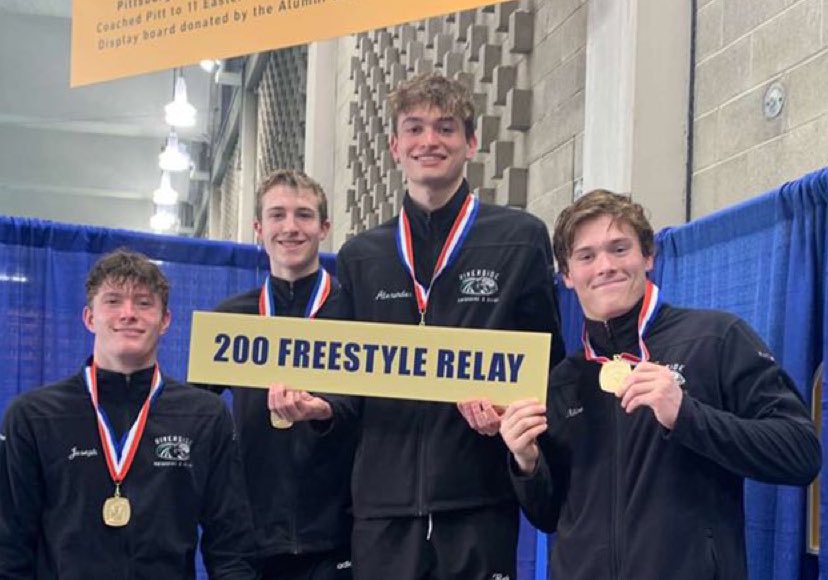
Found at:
<point>421,433</point>
<point>615,538</point>
<point>292,309</point>
<point>294,537</point>
<point>420,466</point>
<point>615,516</point>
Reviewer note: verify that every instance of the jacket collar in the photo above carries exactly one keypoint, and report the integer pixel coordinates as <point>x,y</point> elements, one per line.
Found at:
<point>616,335</point>
<point>424,223</point>
<point>288,292</point>
<point>131,386</point>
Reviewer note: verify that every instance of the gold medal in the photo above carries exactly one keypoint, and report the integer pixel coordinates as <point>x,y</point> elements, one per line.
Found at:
<point>278,423</point>
<point>613,374</point>
<point>116,510</point>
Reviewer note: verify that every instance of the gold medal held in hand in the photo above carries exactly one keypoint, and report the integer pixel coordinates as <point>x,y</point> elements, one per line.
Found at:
<point>116,510</point>
<point>613,373</point>
<point>278,423</point>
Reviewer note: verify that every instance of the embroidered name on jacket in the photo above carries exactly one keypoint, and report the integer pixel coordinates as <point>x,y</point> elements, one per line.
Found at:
<point>74,453</point>
<point>396,295</point>
<point>479,285</point>
<point>173,451</point>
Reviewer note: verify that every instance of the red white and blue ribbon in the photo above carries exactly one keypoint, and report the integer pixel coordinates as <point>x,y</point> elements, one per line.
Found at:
<point>649,309</point>
<point>320,293</point>
<point>119,454</point>
<point>451,248</point>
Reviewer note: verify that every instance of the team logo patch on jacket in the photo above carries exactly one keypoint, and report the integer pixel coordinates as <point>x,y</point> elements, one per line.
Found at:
<point>479,285</point>
<point>173,450</point>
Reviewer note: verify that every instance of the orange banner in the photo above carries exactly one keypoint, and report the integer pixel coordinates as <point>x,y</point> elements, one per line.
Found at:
<point>118,38</point>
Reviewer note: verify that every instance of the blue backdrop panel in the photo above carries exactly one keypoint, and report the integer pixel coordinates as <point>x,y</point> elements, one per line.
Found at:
<point>43,267</point>
<point>764,260</point>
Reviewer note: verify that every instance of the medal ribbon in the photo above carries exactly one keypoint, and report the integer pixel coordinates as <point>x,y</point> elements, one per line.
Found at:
<point>451,248</point>
<point>649,309</point>
<point>119,454</point>
<point>320,293</point>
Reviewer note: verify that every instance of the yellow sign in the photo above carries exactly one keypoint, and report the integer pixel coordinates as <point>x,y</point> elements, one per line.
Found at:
<point>118,38</point>
<point>427,363</point>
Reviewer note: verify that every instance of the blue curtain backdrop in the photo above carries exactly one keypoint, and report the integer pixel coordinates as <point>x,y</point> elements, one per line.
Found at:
<point>43,266</point>
<point>764,260</point>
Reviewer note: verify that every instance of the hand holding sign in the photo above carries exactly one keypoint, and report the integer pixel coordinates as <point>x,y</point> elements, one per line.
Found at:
<point>521,425</point>
<point>481,416</point>
<point>292,405</point>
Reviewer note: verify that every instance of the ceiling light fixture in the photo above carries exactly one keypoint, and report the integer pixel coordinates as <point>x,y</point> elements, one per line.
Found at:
<point>174,157</point>
<point>165,194</point>
<point>208,65</point>
<point>180,113</point>
<point>163,220</point>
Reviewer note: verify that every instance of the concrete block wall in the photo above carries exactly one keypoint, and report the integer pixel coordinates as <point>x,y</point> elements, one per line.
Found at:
<point>556,75</point>
<point>281,112</point>
<point>524,62</point>
<point>743,47</point>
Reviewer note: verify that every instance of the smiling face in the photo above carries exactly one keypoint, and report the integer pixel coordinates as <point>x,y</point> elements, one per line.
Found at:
<point>127,320</point>
<point>291,229</point>
<point>432,147</point>
<point>606,267</point>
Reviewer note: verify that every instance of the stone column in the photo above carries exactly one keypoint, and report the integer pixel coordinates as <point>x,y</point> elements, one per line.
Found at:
<point>247,151</point>
<point>637,99</point>
<point>320,122</point>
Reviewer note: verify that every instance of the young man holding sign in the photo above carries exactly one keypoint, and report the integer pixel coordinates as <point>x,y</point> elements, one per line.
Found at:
<point>111,472</point>
<point>297,476</point>
<point>639,457</point>
<point>432,497</point>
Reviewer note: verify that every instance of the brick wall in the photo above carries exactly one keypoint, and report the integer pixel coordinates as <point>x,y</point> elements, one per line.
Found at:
<point>743,46</point>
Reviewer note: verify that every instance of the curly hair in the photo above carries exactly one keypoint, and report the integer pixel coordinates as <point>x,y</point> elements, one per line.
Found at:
<point>124,266</point>
<point>434,90</point>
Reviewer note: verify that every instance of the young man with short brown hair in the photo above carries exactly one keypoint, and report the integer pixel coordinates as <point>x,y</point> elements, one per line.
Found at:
<point>638,459</point>
<point>110,473</point>
<point>298,477</point>
<point>431,491</point>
